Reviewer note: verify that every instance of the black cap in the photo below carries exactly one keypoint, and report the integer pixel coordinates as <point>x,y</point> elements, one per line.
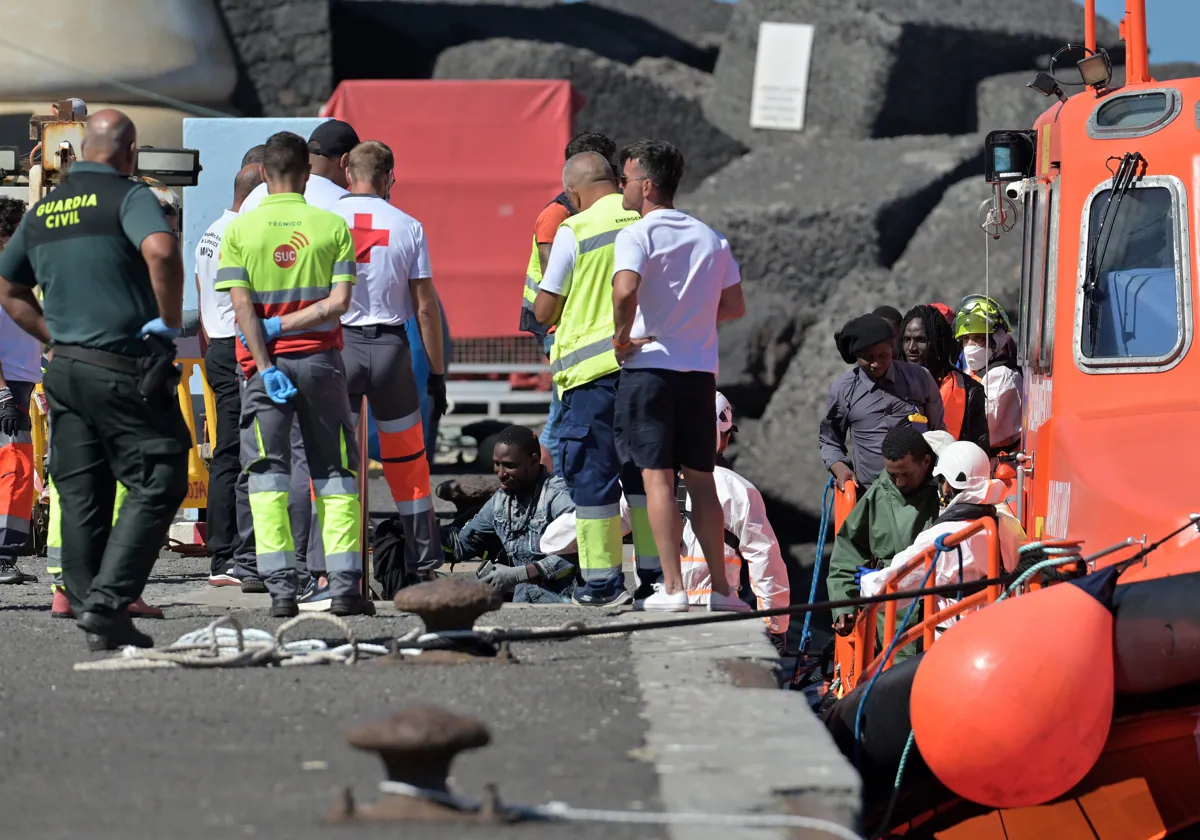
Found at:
<point>860,333</point>
<point>332,138</point>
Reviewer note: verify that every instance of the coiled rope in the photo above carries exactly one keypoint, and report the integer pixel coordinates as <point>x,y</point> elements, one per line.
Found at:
<point>226,644</point>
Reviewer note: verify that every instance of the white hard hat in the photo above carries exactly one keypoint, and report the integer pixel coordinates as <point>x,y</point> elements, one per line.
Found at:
<point>724,415</point>
<point>938,440</point>
<point>963,465</point>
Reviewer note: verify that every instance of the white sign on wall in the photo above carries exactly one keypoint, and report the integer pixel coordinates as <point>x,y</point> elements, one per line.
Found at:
<point>781,76</point>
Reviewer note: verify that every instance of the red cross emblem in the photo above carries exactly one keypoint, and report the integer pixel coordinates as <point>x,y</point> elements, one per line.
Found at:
<point>366,237</point>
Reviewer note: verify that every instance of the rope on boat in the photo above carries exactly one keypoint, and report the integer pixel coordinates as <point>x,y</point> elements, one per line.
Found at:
<point>827,499</point>
<point>942,548</point>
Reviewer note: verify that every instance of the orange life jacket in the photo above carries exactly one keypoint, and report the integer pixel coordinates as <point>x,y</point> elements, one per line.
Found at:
<point>954,403</point>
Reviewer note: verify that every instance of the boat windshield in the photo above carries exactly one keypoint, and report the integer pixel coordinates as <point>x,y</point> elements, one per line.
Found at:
<point>1133,307</point>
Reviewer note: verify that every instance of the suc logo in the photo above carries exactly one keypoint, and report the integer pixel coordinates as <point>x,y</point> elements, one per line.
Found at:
<point>287,253</point>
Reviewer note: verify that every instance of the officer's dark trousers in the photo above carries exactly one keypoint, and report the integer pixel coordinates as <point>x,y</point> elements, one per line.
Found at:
<point>221,369</point>
<point>105,432</point>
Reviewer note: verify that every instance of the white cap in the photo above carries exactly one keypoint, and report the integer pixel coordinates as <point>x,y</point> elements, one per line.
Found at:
<point>724,415</point>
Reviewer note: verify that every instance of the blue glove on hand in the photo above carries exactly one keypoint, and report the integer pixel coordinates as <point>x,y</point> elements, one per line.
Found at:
<point>279,388</point>
<point>271,329</point>
<point>862,570</point>
<point>157,327</point>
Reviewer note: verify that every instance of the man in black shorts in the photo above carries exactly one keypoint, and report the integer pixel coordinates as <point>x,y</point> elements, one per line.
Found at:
<point>674,281</point>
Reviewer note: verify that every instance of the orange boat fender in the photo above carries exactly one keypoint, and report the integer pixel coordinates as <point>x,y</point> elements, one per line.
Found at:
<point>1012,706</point>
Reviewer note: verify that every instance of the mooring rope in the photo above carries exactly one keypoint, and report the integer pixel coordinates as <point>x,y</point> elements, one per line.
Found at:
<point>561,811</point>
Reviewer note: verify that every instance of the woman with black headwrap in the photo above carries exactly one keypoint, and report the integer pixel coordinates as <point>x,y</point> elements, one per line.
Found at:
<point>926,339</point>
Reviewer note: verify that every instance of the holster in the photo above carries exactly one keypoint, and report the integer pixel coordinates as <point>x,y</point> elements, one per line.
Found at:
<point>158,375</point>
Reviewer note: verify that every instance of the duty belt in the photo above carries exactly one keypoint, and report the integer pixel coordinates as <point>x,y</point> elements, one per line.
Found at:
<point>100,358</point>
<point>370,331</point>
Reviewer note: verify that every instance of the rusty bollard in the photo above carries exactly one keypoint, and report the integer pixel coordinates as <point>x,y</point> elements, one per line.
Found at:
<point>417,747</point>
<point>468,492</point>
<point>449,603</point>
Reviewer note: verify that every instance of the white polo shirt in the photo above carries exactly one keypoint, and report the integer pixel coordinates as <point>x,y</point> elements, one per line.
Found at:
<point>216,308</point>
<point>685,265</point>
<point>390,249</point>
<point>20,353</point>
<point>319,192</point>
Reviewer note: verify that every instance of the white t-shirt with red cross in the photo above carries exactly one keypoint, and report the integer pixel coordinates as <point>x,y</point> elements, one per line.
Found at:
<point>390,249</point>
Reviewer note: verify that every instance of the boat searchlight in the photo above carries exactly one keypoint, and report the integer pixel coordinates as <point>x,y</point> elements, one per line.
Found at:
<point>1096,70</point>
<point>1045,84</point>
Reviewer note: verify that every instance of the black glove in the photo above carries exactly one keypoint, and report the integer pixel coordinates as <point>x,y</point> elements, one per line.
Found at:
<point>10,415</point>
<point>436,387</point>
<point>779,640</point>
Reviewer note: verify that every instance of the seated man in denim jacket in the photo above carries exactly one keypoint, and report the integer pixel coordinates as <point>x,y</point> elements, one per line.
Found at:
<point>529,499</point>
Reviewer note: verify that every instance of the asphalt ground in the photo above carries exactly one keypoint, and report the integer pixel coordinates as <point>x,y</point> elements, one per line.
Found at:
<point>262,753</point>
<point>596,722</point>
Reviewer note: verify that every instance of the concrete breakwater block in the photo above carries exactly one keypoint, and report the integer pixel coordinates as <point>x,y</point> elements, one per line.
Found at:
<point>622,103</point>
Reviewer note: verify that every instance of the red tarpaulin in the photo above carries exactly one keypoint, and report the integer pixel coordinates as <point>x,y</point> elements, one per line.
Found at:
<point>476,161</point>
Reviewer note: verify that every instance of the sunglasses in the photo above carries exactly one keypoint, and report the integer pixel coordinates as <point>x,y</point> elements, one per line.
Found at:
<point>624,181</point>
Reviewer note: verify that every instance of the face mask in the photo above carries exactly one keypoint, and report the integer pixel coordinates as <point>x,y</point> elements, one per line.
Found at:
<point>976,356</point>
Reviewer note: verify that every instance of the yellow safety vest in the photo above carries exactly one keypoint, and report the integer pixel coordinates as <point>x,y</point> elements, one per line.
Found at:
<point>533,279</point>
<point>583,350</point>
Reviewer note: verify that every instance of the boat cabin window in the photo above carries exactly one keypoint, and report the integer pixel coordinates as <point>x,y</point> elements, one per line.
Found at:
<point>1134,114</point>
<point>1132,307</point>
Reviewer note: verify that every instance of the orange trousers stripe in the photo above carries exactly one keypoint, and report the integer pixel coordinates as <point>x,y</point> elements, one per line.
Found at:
<point>404,464</point>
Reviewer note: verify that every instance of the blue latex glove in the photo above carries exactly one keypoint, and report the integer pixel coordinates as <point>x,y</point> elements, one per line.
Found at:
<point>271,330</point>
<point>157,327</point>
<point>279,388</point>
<point>862,570</point>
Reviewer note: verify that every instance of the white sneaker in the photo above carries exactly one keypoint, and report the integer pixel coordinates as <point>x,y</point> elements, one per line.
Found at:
<point>661,601</point>
<point>726,603</point>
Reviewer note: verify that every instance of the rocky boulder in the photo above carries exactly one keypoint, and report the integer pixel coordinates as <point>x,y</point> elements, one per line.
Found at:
<point>399,39</point>
<point>285,55</point>
<point>881,68</point>
<point>781,455</point>
<point>619,101</point>
<point>799,217</point>
<point>683,79</point>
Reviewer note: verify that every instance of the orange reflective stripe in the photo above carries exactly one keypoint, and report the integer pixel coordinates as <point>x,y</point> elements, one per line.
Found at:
<point>729,561</point>
<point>16,480</point>
<point>401,444</point>
<point>405,466</point>
<point>954,403</point>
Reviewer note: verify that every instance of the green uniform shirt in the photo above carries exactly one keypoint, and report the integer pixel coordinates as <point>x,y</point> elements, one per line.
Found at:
<point>288,254</point>
<point>882,524</point>
<point>82,245</point>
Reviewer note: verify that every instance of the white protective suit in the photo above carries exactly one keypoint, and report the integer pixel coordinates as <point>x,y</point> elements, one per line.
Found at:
<point>973,551</point>
<point>745,517</point>
<point>1003,387</point>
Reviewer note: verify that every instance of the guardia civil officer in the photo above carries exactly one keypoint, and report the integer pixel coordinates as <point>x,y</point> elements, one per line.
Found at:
<point>112,281</point>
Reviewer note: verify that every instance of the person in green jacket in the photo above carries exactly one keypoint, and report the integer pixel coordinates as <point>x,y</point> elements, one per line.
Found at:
<point>900,504</point>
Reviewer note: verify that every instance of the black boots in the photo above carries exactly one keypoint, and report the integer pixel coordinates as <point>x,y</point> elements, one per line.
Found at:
<point>111,630</point>
<point>284,608</point>
<point>351,605</point>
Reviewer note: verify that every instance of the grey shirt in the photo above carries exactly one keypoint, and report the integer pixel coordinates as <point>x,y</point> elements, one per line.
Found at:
<point>868,409</point>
